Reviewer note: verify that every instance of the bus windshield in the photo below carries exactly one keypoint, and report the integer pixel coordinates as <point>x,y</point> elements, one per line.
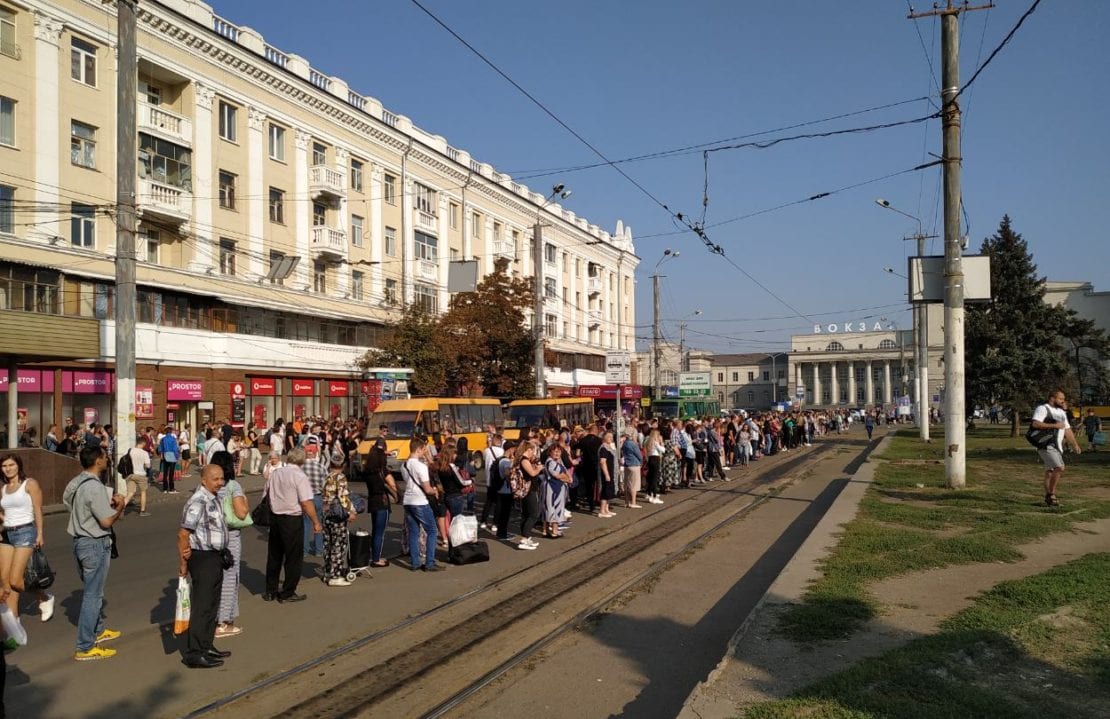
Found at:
<point>400,424</point>
<point>531,415</point>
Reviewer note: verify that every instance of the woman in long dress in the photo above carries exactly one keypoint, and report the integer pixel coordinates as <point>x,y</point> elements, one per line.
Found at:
<point>607,474</point>
<point>556,480</point>
<point>337,543</point>
<point>670,463</point>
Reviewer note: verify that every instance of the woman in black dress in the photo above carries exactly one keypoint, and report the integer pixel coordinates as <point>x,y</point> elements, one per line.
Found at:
<point>607,474</point>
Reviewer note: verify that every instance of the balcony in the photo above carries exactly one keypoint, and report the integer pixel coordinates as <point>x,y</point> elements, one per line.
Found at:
<point>328,241</point>
<point>427,222</point>
<point>324,180</point>
<point>166,202</point>
<point>427,270</point>
<point>160,122</point>
<point>593,286</point>
<point>593,319</point>
<point>504,248</point>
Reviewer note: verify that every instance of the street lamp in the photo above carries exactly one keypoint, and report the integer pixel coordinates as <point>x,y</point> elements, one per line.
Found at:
<point>921,331</point>
<point>683,360</point>
<point>775,376</point>
<point>563,193</point>
<point>656,350</point>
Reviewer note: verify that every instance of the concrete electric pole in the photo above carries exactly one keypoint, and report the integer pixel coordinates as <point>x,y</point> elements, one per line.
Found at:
<point>537,306</point>
<point>127,80</point>
<point>955,412</point>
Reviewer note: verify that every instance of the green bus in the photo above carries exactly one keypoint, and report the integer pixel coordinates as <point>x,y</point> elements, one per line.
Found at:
<point>678,408</point>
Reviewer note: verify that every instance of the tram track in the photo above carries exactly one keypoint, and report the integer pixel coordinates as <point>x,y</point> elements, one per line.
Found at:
<point>428,642</point>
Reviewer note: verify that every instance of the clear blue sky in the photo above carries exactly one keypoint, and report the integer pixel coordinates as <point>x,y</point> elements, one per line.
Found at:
<point>640,76</point>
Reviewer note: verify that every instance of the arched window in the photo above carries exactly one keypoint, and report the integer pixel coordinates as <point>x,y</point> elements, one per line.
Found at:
<point>834,347</point>
<point>888,345</point>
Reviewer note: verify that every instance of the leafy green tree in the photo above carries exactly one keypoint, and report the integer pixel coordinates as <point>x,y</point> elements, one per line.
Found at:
<point>1014,353</point>
<point>414,341</point>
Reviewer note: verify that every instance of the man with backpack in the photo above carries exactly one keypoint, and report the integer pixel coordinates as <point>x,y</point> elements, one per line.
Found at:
<point>134,466</point>
<point>1053,415</point>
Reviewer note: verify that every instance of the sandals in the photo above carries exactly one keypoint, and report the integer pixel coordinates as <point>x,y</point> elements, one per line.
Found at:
<point>1051,501</point>
<point>379,565</point>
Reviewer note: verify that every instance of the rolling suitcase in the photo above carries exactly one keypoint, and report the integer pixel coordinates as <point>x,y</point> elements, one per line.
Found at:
<point>359,555</point>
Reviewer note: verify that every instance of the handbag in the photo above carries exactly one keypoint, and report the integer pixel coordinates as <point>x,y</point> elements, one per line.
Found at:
<point>232,520</point>
<point>336,513</point>
<point>38,574</point>
<point>263,515</point>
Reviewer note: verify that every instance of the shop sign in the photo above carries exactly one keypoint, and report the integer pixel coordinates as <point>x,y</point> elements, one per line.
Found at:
<point>338,388</point>
<point>238,390</point>
<point>263,386</point>
<point>144,401</point>
<point>609,391</point>
<point>695,384</point>
<point>87,382</point>
<point>400,386</point>
<point>238,411</point>
<point>372,386</point>
<point>189,390</point>
<point>304,387</point>
<point>92,416</point>
<point>670,391</point>
<point>31,381</point>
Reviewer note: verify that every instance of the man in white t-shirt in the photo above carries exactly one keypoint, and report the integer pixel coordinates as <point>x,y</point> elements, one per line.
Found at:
<point>1053,415</point>
<point>137,480</point>
<point>490,457</point>
<point>418,510</point>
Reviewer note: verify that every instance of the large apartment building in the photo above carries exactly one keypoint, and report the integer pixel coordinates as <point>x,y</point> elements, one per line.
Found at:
<point>283,218</point>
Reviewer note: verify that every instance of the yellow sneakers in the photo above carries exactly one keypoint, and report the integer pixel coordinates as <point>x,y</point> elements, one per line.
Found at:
<point>108,635</point>
<point>95,653</point>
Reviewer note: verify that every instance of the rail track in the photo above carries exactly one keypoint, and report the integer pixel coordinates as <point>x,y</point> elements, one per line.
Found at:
<point>571,584</point>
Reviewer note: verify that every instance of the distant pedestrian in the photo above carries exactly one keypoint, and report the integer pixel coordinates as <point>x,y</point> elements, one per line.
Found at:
<point>1053,415</point>
<point>229,588</point>
<point>1092,424</point>
<point>607,475</point>
<point>419,493</point>
<point>381,493</point>
<point>316,469</point>
<point>201,541</point>
<point>337,540</point>
<point>290,499</point>
<point>869,424</point>
<point>137,481</point>
<point>91,517</point>
<point>169,451</point>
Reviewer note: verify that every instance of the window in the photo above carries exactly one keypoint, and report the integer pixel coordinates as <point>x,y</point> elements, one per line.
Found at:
<point>390,241</point>
<point>578,267</point>
<point>425,199</point>
<point>165,162</point>
<point>497,233</point>
<point>227,121</point>
<point>82,145</point>
<point>7,33</point>
<point>151,93</point>
<point>82,62</point>
<point>566,329</point>
<point>549,253</point>
<point>453,215</point>
<point>577,300</point>
<point>426,247</point>
<point>391,292</point>
<point>319,154</point>
<point>277,205</point>
<point>735,376</point>
<point>7,121</point>
<point>888,345</point>
<point>356,175</point>
<point>550,288</point>
<point>834,347</point>
<point>150,241</point>
<point>356,230</point>
<point>227,256</point>
<point>782,374</point>
<point>277,142</point>
<point>82,226</point>
<point>319,214</point>
<point>751,397</point>
<point>7,200</point>
<point>389,189</point>
<point>766,376</point>
<point>454,255</point>
<point>426,298</point>
<point>566,262</point>
<point>356,285</point>
<point>227,190</point>
<point>475,225</point>
<point>550,325</point>
<point>720,376</point>
<point>275,260</point>
<point>319,276</point>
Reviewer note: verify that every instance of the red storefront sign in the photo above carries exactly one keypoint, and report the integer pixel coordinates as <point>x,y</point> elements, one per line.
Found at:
<point>81,382</point>
<point>609,391</point>
<point>263,386</point>
<point>304,387</point>
<point>238,390</point>
<point>372,386</point>
<point>338,388</point>
<point>189,390</point>
<point>32,381</point>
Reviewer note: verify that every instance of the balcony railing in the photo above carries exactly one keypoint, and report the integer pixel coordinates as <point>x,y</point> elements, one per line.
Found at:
<point>164,123</point>
<point>324,179</point>
<point>276,56</point>
<point>428,269</point>
<point>593,286</point>
<point>504,248</point>
<point>328,240</point>
<point>223,27</point>
<point>593,318</point>
<point>389,118</point>
<point>319,79</point>
<point>426,221</point>
<point>166,201</point>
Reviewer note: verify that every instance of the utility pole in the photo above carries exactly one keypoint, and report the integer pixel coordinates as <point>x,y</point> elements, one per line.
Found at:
<point>537,306</point>
<point>921,331</point>
<point>683,365</point>
<point>955,412</point>
<point>656,350</point>
<point>126,171</point>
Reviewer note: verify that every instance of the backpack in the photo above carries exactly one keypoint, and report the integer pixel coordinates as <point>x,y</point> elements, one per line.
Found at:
<point>518,483</point>
<point>125,466</point>
<point>1040,438</point>
<point>266,437</point>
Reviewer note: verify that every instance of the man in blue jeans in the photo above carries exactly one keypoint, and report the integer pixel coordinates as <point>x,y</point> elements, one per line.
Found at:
<point>316,469</point>
<point>91,516</point>
<point>419,493</point>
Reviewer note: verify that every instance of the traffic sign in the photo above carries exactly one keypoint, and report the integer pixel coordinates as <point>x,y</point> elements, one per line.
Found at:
<point>618,367</point>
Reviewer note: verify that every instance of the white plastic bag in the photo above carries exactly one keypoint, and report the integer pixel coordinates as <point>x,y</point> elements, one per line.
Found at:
<point>463,530</point>
<point>12,627</point>
<point>182,608</point>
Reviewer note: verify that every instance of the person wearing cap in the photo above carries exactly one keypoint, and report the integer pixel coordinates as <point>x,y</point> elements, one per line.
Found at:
<point>337,542</point>
<point>316,469</point>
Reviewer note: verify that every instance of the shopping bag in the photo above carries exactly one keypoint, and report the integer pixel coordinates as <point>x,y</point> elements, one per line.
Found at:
<point>14,633</point>
<point>181,610</point>
<point>1100,439</point>
<point>38,574</point>
<point>463,530</point>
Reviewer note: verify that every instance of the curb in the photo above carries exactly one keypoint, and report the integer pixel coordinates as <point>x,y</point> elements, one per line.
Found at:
<point>791,584</point>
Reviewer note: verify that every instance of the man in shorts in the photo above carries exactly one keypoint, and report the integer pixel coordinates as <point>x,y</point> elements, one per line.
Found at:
<point>1053,415</point>
<point>137,481</point>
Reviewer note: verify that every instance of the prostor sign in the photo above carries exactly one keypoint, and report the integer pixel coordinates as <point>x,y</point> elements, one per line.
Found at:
<point>847,327</point>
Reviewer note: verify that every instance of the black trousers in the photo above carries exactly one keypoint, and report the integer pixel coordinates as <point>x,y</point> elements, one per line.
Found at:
<point>207,574</point>
<point>285,549</point>
<point>529,512</point>
<point>586,489</point>
<point>713,465</point>
<point>504,511</point>
<point>168,471</point>
<point>654,465</point>
<point>490,505</point>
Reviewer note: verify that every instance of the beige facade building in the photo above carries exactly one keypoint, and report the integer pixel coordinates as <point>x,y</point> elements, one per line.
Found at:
<point>252,162</point>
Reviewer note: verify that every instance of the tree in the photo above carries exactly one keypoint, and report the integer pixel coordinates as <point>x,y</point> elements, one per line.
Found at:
<point>492,348</point>
<point>1014,356</point>
<point>414,341</point>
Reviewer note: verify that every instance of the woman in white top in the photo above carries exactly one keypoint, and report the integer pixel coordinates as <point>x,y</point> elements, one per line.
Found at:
<point>21,500</point>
